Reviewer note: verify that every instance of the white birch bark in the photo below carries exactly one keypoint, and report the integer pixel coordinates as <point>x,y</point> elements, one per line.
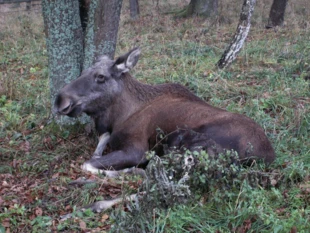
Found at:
<point>241,34</point>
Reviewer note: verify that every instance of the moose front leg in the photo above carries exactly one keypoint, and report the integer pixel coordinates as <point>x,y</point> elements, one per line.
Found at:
<point>103,141</point>
<point>115,160</point>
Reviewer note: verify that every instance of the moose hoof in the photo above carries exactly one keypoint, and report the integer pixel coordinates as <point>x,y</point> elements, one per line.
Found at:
<point>96,156</point>
<point>90,168</point>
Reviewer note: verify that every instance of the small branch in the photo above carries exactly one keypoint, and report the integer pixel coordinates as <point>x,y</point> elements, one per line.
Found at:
<point>97,180</point>
<point>100,206</point>
<point>82,182</point>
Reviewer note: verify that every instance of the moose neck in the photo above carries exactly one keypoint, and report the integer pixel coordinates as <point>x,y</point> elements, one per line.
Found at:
<point>140,92</point>
<point>134,95</point>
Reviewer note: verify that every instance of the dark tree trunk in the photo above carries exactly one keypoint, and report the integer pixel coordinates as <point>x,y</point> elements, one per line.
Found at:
<point>101,35</point>
<point>76,33</point>
<point>84,8</point>
<point>277,11</point>
<point>205,8</point>
<point>242,31</point>
<point>134,9</point>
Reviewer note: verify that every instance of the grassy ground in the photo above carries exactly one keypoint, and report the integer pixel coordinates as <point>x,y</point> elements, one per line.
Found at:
<point>269,82</point>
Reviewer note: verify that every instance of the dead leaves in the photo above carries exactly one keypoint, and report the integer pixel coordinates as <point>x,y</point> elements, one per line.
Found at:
<point>17,190</point>
<point>25,146</point>
<point>48,143</point>
<point>245,227</point>
<point>104,217</point>
<point>82,225</point>
<point>38,211</point>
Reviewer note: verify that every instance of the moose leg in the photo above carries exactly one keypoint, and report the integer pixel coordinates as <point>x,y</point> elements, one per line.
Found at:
<point>115,160</point>
<point>103,141</point>
<point>129,171</point>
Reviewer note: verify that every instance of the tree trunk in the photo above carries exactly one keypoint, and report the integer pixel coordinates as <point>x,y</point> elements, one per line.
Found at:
<point>76,33</point>
<point>64,41</point>
<point>241,34</point>
<point>277,11</point>
<point>134,9</point>
<point>84,9</point>
<point>102,29</point>
<point>205,8</point>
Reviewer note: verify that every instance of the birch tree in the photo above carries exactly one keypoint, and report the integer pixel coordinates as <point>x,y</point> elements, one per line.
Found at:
<point>241,34</point>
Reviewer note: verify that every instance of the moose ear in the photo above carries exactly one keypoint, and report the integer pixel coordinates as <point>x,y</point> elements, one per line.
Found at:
<point>127,61</point>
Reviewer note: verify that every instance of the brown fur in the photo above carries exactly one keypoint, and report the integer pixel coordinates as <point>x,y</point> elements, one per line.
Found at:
<point>133,112</point>
<point>173,107</point>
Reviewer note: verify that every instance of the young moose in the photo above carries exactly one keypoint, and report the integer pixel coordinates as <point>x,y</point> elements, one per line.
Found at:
<point>128,114</point>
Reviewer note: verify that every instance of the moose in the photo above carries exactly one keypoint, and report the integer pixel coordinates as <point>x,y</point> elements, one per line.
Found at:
<point>128,114</point>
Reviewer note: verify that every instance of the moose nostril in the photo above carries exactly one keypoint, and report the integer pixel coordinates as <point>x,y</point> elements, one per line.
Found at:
<point>64,106</point>
<point>66,109</point>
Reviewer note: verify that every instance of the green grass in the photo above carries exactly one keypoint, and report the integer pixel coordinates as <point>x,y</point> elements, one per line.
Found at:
<point>268,82</point>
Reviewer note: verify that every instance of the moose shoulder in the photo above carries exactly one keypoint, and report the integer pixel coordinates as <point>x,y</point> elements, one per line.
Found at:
<point>127,113</point>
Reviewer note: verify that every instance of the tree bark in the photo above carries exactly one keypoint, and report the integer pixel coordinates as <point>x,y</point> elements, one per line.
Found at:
<point>84,9</point>
<point>134,9</point>
<point>64,42</point>
<point>102,29</point>
<point>241,34</point>
<point>77,32</point>
<point>276,15</point>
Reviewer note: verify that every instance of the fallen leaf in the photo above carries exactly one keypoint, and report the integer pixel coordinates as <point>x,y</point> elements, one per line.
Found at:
<point>281,210</point>
<point>247,224</point>
<point>293,230</point>
<point>273,182</point>
<point>25,146</point>
<point>266,95</point>
<point>104,217</point>
<point>38,211</point>
<point>82,225</point>
<point>56,175</point>
<point>6,222</point>
<point>5,184</point>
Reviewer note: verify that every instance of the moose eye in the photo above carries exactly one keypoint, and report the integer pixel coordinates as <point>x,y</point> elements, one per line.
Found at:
<point>100,78</point>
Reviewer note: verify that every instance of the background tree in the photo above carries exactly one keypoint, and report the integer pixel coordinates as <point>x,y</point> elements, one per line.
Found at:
<point>276,15</point>
<point>134,9</point>
<point>241,34</point>
<point>200,7</point>
<point>76,33</point>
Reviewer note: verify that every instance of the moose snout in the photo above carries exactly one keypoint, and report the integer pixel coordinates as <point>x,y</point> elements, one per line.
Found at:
<point>62,105</point>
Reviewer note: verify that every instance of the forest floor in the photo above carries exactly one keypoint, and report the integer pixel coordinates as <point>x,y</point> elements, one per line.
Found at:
<point>269,82</point>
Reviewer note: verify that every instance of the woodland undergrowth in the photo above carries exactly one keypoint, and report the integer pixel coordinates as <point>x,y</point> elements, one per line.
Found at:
<point>269,82</point>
